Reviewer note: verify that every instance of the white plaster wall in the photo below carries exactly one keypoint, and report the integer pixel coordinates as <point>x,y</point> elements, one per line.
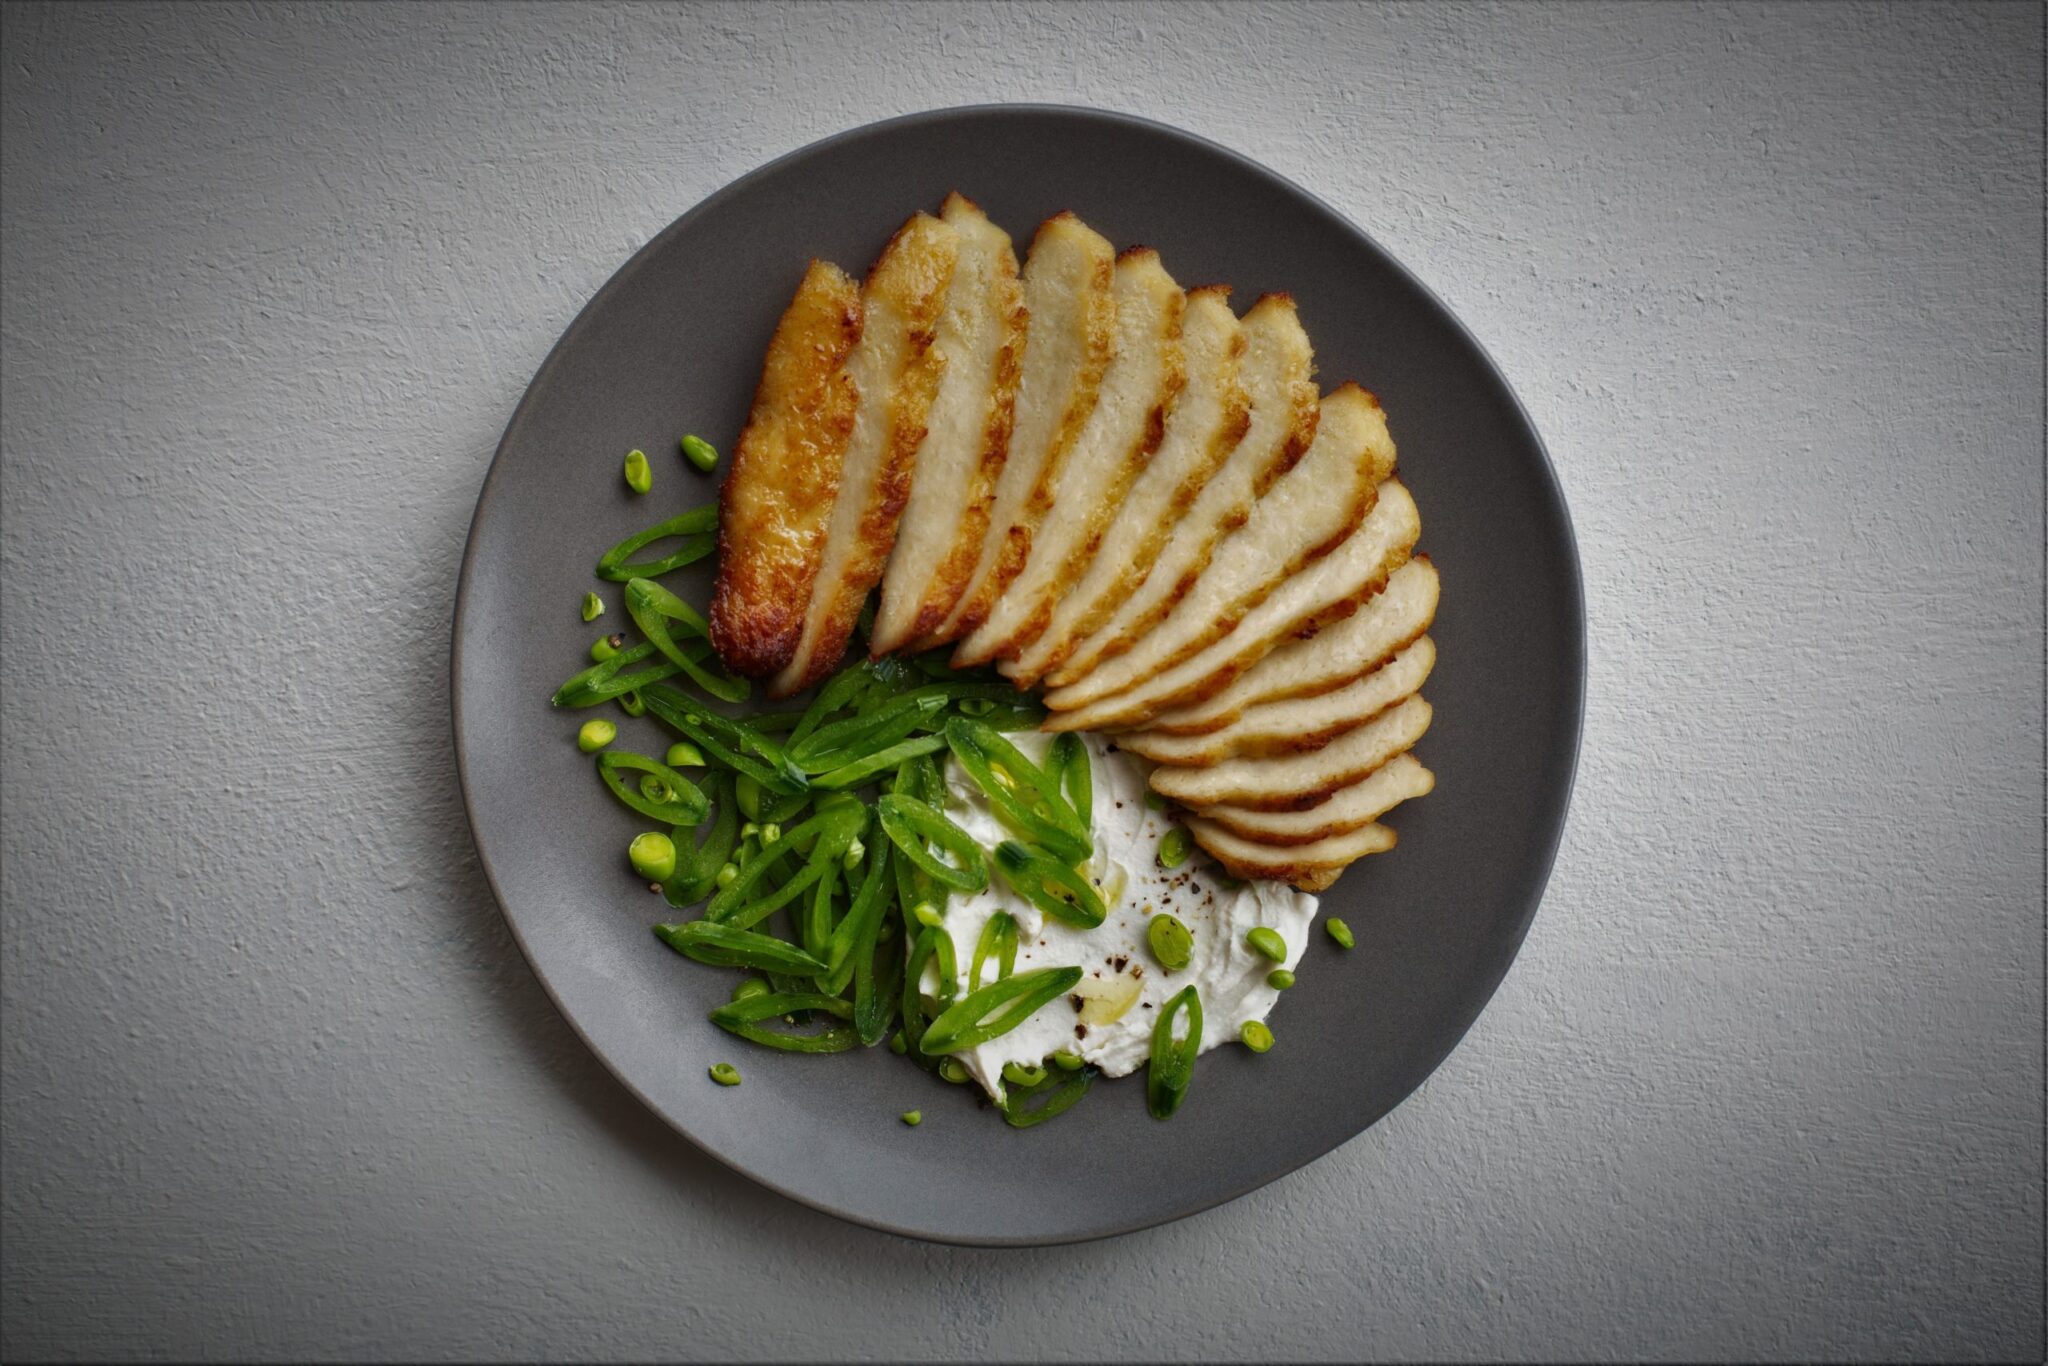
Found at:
<point>1767,1079</point>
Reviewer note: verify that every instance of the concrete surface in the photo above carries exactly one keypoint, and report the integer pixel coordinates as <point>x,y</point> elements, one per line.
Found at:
<point>1767,1080</point>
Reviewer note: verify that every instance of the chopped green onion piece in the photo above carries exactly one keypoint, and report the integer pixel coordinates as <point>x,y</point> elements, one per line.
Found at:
<point>722,946</point>
<point>909,823</point>
<point>1172,943</point>
<point>747,1019</point>
<point>999,942</point>
<point>1030,801</point>
<point>995,1009</point>
<point>1055,1095</point>
<point>1050,885</point>
<point>953,1070</point>
<point>1267,943</point>
<point>686,807</point>
<point>1067,1060</point>
<point>1173,1060</point>
<point>1017,1074</point>
<point>700,453</point>
<point>593,736</point>
<point>631,703</point>
<point>1068,759</point>
<point>725,1074</point>
<point>860,770</point>
<point>1256,1036</point>
<point>1340,932</point>
<point>652,608</point>
<point>697,529</point>
<point>606,679</point>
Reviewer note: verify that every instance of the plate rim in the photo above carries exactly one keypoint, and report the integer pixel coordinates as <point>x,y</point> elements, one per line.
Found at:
<point>1553,496</point>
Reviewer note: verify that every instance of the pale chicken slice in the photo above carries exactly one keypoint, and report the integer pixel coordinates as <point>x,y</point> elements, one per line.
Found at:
<point>1332,588</point>
<point>1306,512</point>
<point>895,371</point>
<point>1114,443</point>
<point>980,333</point>
<point>1072,324</point>
<point>1204,425</point>
<point>1400,779</point>
<point>1295,782</point>
<point>776,503</point>
<point>1311,867</point>
<point>1293,724</point>
<point>1278,373</point>
<point>1332,658</point>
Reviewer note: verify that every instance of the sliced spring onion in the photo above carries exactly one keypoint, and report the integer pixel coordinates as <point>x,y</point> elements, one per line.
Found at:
<point>995,1009</point>
<point>697,529</point>
<point>686,805</point>
<point>1173,1060</point>
<point>909,823</point>
<point>1030,802</point>
<point>749,1018</point>
<point>1054,1096</point>
<point>652,608</point>
<point>1050,885</point>
<point>861,770</point>
<point>731,744</point>
<point>606,679</point>
<point>722,946</point>
<point>1068,761</point>
<point>998,942</point>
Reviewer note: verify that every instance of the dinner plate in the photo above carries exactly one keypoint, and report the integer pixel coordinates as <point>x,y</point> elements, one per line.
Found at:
<point>673,344</point>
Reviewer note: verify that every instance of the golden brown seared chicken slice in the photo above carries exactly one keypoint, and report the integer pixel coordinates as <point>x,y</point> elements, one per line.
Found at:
<point>1144,375</point>
<point>1067,340</point>
<point>777,499</point>
<point>980,332</point>
<point>1296,782</point>
<point>1330,589</point>
<point>1331,659</point>
<point>1306,513</point>
<point>1311,867</point>
<point>895,371</point>
<point>1278,373</point>
<point>1400,779</point>
<point>1203,426</point>
<point>1293,724</point>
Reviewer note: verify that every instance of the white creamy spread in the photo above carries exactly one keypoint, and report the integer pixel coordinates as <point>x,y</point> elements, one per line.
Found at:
<point>1108,1018</point>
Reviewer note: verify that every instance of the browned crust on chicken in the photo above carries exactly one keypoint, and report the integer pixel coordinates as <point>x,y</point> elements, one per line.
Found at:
<point>776,502</point>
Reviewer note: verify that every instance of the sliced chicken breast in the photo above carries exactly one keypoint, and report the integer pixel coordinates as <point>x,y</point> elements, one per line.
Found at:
<point>1311,867</point>
<point>1401,778</point>
<point>1330,659</point>
<point>895,371</point>
<point>1293,724</point>
<point>1203,426</point>
<point>1278,374</point>
<point>1067,341</point>
<point>1325,591</point>
<point>1295,782</point>
<point>980,334</point>
<point>1144,376</point>
<point>777,499</point>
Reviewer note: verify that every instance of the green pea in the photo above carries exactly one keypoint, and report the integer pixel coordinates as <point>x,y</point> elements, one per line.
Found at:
<point>1175,847</point>
<point>683,754</point>
<point>639,477</point>
<point>1267,943</point>
<point>748,792</point>
<point>898,1044</point>
<point>653,855</point>
<point>725,1074</point>
<point>749,830</point>
<point>924,913</point>
<point>1017,1074</point>
<point>913,1117</point>
<point>1256,1036</point>
<point>770,833</point>
<point>1171,942</point>
<point>632,704</point>
<point>1153,801</point>
<point>1279,979</point>
<point>1067,1060</point>
<point>1340,932</point>
<point>700,453</point>
<point>953,1070</point>
<point>726,873</point>
<point>750,987</point>
<point>604,647</point>
<point>592,736</point>
<point>593,607</point>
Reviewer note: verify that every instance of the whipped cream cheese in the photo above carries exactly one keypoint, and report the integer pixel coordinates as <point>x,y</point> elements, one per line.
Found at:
<point>1109,1016</point>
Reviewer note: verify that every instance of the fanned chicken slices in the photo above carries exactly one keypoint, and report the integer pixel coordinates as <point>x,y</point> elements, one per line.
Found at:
<point>1296,723</point>
<point>895,372</point>
<point>1203,426</point>
<point>1340,653</point>
<point>1401,778</point>
<point>1328,590</point>
<point>1306,512</point>
<point>979,335</point>
<point>1278,374</point>
<point>777,500</point>
<point>1295,782</point>
<point>1311,867</point>
<point>1118,438</point>
<point>1071,325</point>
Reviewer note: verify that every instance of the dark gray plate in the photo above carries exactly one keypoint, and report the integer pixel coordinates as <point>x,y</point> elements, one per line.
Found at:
<point>672,344</point>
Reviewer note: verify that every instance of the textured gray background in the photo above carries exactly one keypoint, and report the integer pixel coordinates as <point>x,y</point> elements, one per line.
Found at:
<point>1767,1079</point>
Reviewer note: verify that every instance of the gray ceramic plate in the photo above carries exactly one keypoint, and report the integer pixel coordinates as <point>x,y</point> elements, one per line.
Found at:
<point>673,342</point>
